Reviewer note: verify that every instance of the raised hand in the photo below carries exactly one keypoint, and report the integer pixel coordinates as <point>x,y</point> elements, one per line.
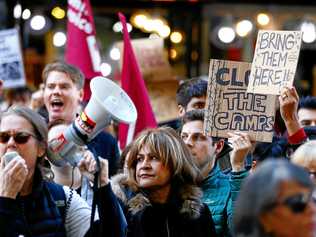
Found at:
<point>288,108</point>
<point>88,168</point>
<point>12,177</point>
<point>241,147</point>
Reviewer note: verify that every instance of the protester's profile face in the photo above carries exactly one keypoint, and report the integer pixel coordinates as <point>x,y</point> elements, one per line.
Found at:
<point>194,103</point>
<point>201,146</point>
<point>61,96</point>
<point>22,139</point>
<point>151,173</point>
<point>307,117</point>
<point>293,214</point>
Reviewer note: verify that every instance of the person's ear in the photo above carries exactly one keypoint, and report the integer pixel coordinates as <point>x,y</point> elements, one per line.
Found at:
<point>181,110</point>
<point>41,150</point>
<point>81,94</point>
<point>219,145</point>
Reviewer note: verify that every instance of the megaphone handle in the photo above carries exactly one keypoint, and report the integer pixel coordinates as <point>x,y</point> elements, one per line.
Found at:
<point>95,199</point>
<point>97,159</point>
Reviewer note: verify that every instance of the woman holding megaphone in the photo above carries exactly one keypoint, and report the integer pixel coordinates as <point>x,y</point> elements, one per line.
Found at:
<point>30,205</point>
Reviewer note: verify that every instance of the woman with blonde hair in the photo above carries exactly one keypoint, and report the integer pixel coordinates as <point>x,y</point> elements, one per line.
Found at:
<point>305,156</point>
<point>166,200</point>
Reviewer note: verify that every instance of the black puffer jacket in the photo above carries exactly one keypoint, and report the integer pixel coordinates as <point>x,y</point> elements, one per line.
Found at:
<point>183,216</point>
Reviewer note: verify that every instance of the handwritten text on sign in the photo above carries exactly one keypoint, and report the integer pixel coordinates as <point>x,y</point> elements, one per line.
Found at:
<point>275,60</point>
<point>230,108</point>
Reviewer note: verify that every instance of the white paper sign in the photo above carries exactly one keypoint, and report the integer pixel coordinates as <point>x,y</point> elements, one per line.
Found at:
<point>11,63</point>
<point>275,60</point>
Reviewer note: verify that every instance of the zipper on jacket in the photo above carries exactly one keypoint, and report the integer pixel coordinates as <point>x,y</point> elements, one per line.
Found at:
<point>167,225</point>
<point>22,212</point>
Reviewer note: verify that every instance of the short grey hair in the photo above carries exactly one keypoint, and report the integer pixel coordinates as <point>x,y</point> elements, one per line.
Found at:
<point>38,122</point>
<point>260,191</point>
<point>40,128</point>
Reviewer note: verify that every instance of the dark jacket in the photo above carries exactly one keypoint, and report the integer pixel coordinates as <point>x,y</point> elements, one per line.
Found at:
<point>184,215</point>
<point>105,146</point>
<point>32,215</point>
<point>37,214</point>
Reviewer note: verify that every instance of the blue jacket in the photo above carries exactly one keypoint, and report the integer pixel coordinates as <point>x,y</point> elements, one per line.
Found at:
<point>219,194</point>
<point>105,145</point>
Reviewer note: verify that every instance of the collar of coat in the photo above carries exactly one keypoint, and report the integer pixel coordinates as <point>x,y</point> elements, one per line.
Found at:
<point>188,195</point>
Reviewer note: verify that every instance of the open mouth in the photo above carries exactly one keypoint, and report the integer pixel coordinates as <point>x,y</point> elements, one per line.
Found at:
<point>57,104</point>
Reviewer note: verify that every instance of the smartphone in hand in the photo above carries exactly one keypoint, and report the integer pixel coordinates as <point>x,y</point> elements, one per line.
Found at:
<point>9,156</point>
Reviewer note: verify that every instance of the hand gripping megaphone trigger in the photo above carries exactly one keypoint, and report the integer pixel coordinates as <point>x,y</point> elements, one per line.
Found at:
<point>108,101</point>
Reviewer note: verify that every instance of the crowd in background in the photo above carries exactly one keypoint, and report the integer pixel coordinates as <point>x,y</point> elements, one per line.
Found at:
<point>169,181</point>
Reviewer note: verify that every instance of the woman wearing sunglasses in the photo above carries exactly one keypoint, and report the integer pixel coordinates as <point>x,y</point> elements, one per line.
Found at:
<point>166,201</point>
<point>33,206</point>
<point>276,201</point>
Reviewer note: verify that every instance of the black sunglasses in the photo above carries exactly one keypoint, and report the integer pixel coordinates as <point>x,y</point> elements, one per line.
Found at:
<point>18,137</point>
<point>298,202</point>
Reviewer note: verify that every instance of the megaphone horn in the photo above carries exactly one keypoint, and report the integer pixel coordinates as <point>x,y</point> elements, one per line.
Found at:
<point>108,101</point>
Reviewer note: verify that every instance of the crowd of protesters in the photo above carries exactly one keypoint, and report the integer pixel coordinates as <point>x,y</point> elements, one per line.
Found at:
<point>171,181</point>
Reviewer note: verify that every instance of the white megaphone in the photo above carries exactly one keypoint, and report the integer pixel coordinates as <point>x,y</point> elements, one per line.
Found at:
<point>108,101</point>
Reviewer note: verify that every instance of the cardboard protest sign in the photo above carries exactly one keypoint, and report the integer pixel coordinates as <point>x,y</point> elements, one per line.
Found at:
<point>11,63</point>
<point>152,60</point>
<point>230,108</point>
<point>275,60</point>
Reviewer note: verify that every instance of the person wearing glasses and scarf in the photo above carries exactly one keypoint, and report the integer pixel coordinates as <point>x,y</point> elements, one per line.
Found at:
<point>276,201</point>
<point>29,204</point>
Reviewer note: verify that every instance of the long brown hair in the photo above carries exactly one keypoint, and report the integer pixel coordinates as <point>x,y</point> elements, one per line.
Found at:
<point>166,144</point>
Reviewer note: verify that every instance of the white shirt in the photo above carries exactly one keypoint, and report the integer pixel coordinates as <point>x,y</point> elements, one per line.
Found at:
<point>78,215</point>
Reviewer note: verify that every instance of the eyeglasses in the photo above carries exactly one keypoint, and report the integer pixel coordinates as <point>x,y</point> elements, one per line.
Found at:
<point>297,203</point>
<point>18,137</point>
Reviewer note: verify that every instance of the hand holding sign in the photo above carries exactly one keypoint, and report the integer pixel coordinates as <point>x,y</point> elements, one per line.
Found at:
<point>288,108</point>
<point>241,147</point>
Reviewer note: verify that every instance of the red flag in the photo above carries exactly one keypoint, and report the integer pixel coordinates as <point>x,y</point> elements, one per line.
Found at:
<point>133,84</point>
<point>81,47</point>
